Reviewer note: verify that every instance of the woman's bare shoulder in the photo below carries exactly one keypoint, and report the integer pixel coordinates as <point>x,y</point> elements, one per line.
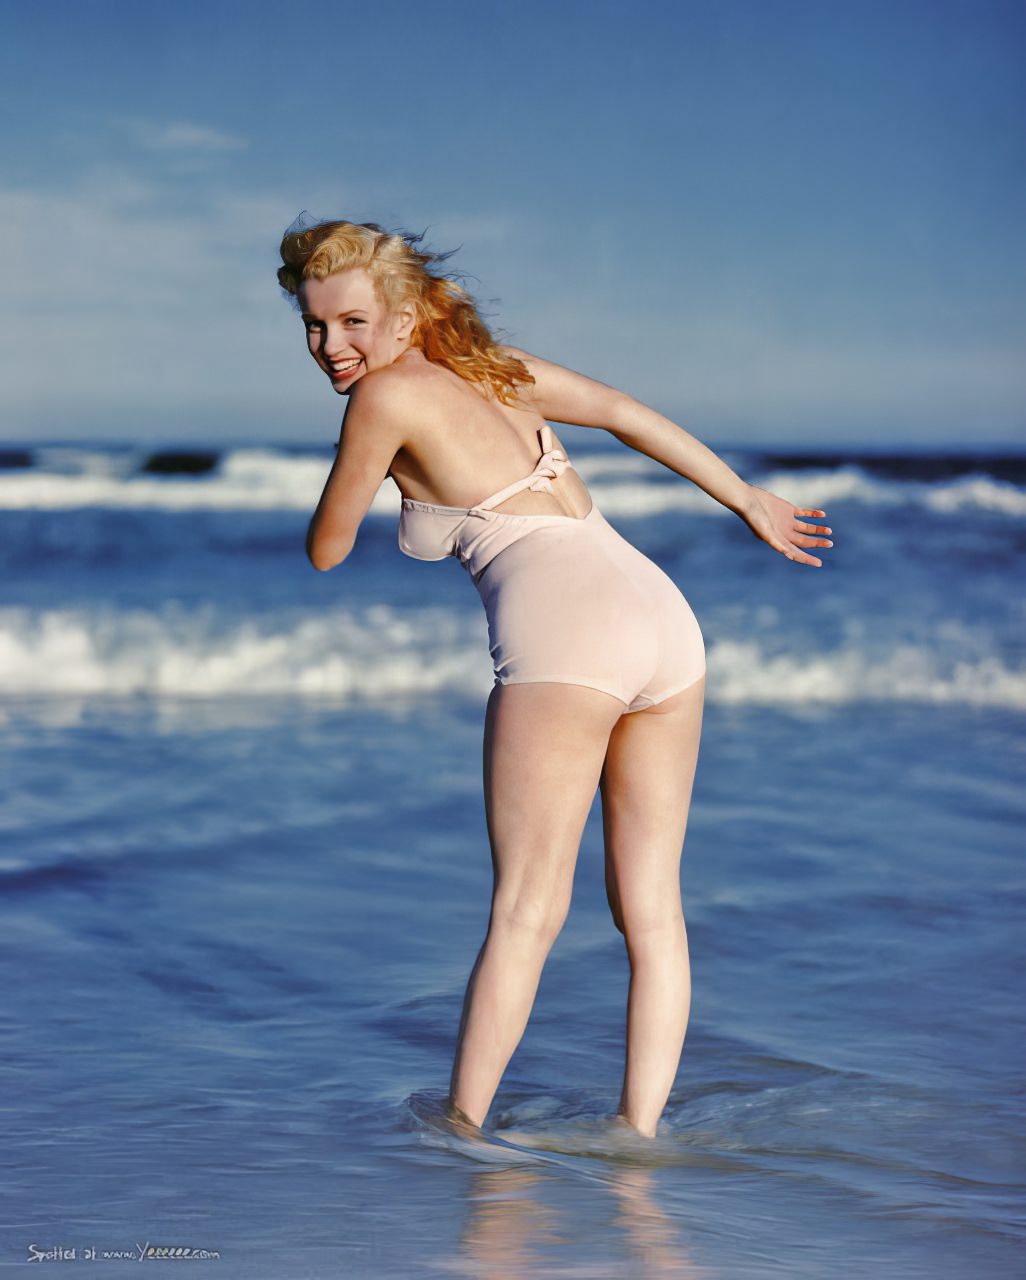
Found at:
<point>408,370</point>
<point>526,358</point>
<point>397,388</point>
<point>540,371</point>
<point>564,395</point>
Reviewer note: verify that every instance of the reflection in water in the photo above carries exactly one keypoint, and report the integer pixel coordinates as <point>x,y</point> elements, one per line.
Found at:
<point>506,1226</point>
<point>653,1237</point>
<point>514,1230</point>
<point>514,1226</point>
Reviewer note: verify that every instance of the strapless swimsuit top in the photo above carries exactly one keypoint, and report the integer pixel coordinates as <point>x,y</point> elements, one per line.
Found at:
<point>477,534</point>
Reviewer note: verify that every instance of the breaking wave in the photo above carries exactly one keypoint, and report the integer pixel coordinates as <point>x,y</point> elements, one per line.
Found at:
<point>380,653</point>
<point>623,483</point>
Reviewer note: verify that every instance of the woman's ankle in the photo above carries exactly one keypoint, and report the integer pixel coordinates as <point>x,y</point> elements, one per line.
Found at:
<point>459,1118</point>
<point>621,1119</point>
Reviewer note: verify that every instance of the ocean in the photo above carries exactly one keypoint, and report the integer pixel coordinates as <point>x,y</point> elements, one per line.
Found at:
<point>244,875</point>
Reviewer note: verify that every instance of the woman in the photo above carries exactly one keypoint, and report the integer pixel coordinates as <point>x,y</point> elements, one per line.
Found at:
<point>599,661</point>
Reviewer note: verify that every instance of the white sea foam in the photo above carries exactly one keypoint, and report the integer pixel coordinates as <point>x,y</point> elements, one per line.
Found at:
<point>741,672</point>
<point>622,485</point>
<point>382,653</point>
<point>374,652</point>
<point>978,493</point>
<point>837,484</point>
<point>247,479</point>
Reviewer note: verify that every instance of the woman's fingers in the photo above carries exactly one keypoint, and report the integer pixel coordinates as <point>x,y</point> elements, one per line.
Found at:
<point>807,535</point>
<point>799,557</point>
<point>781,527</point>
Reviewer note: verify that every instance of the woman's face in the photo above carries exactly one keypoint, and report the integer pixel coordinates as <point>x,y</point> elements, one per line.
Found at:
<point>348,329</point>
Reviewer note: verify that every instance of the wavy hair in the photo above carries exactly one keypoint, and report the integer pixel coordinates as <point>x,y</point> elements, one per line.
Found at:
<point>448,328</point>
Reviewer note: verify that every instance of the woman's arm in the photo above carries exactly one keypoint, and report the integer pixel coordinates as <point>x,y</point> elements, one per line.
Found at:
<point>373,431</point>
<point>565,396</point>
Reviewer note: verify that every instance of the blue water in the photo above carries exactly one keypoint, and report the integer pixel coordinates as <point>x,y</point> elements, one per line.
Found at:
<point>245,874</point>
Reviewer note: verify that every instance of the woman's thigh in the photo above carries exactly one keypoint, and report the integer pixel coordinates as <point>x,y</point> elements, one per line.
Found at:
<point>544,745</point>
<point>646,783</point>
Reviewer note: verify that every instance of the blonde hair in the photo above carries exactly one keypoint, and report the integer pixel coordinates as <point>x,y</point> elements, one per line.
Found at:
<point>448,328</point>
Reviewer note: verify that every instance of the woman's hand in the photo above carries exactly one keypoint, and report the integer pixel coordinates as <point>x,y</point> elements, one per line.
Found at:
<point>775,520</point>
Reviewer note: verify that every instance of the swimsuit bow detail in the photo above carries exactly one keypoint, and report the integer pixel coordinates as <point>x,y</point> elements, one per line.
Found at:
<point>550,465</point>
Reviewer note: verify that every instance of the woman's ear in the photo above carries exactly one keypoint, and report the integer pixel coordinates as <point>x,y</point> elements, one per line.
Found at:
<point>405,320</point>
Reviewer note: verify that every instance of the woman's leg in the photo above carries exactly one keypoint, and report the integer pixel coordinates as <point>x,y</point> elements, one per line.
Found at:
<point>646,793</point>
<point>544,744</point>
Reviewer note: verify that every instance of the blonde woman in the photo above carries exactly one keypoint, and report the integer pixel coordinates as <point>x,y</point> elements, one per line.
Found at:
<point>599,661</point>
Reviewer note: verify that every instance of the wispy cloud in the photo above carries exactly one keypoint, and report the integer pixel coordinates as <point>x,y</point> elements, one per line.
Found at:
<point>180,136</point>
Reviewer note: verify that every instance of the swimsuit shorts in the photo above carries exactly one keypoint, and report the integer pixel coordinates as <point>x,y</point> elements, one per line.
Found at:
<point>568,599</point>
<point>573,601</point>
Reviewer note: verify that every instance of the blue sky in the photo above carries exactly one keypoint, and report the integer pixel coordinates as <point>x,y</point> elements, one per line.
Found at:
<point>780,222</point>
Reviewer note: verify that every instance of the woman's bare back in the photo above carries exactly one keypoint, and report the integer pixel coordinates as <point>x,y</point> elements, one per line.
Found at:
<point>463,446</point>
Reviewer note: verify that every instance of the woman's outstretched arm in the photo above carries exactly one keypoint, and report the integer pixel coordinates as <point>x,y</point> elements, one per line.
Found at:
<point>562,395</point>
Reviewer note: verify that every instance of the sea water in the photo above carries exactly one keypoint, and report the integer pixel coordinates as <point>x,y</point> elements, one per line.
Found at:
<point>244,875</point>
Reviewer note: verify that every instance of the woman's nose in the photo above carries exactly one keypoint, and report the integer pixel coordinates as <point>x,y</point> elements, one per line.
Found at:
<point>334,342</point>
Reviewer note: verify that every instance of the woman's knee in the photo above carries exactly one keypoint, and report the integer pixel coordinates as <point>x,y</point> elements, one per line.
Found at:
<point>533,915</point>
<point>637,924</point>
<point>657,919</point>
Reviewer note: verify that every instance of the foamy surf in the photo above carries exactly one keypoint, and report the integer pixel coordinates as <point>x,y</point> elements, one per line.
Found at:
<point>622,483</point>
<point>371,653</point>
<point>741,672</point>
<point>379,652</point>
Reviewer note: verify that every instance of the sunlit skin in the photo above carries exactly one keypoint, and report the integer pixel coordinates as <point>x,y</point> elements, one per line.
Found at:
<point>548,745</point>
<point>349,331</point>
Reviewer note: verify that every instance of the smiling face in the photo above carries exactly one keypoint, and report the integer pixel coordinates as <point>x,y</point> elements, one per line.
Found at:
<point>348,328</point>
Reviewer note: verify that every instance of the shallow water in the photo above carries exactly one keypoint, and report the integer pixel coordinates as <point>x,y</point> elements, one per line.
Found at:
<point>244,876</point>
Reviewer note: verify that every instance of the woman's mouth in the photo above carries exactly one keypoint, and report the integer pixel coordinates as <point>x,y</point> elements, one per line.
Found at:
<point>344,370</point>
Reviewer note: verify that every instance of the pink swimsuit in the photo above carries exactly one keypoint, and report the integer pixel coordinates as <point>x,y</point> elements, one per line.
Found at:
<point>567,598</point>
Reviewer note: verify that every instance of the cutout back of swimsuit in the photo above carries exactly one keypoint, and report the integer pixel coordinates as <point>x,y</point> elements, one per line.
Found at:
<point>430,532</point>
